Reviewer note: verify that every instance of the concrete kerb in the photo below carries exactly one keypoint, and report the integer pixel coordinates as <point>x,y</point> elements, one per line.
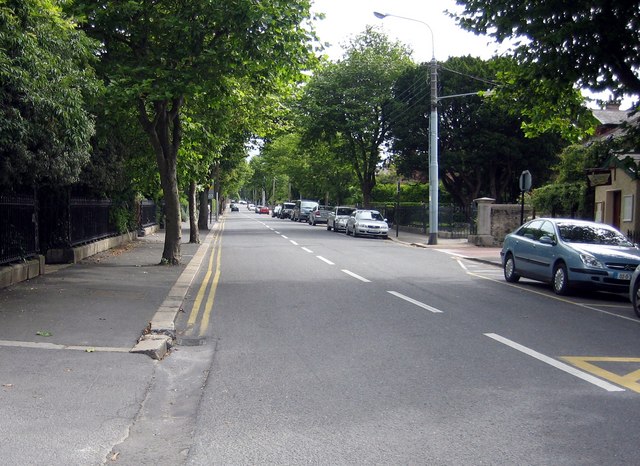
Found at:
<point>161,333</point>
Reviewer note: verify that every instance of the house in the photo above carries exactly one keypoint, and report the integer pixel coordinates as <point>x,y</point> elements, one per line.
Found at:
<point>617,185</point>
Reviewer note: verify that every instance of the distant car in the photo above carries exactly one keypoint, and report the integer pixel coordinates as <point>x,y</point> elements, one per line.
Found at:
<point>319,214</point>
<point>287,210</point>
<point>235,208</point>
<point>263,209</point>
<point>251,207</point>
<point>337,218</point>
<point>570,253</point>
<point>301,210</point>
<point>367,223</point>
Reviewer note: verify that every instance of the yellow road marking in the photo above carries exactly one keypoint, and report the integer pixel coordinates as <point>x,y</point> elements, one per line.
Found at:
<point>204,323</point>
<point>630,380</point>
<point>203,287</point>
<point>197,304</point>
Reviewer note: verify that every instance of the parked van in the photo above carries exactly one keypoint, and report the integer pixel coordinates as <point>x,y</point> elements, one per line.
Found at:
<point>302,209</point>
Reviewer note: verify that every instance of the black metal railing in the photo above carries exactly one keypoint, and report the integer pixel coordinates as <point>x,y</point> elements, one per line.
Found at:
<point>89,220</point>
<point>18,228</point>
<point>148,213</point>
<point>30,225</point>
<point>454,221</point>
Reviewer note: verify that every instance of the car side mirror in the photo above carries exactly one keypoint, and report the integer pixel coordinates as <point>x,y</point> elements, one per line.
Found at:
<point>547,240</point>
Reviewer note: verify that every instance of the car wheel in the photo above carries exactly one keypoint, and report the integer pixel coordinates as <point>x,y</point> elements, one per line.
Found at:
<point>509,269</point>
<point>635,298</point>
<point>560,280</point>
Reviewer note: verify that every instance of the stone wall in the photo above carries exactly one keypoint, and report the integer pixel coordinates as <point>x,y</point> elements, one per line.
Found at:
<point>505,218</point>
<point>496,221</point>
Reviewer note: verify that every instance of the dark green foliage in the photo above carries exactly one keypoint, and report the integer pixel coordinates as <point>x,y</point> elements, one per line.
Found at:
<point>594,43</point>
<point>46,82</point>
<point>482,146</point>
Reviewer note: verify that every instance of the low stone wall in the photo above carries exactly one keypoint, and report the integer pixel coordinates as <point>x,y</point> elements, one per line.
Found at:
<point>505,218</point>
<point>495,221</point>
<point>22,271</point>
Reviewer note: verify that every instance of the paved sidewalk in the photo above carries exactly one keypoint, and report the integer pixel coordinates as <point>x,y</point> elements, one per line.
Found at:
<point>458,247</point>
<point>103,302</point>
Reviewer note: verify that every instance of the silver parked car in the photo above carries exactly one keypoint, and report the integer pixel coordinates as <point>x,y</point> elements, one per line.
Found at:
<point>367,223</point>
<point>569,253</point>
<point>337,219</point>
<point>319,214</point>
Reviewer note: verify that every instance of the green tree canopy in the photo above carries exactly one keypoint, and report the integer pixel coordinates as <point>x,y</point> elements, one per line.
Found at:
<point>46,84</point>
<point>156,56</point>
<point>593,43</point>
<point>482,147</point>
<point>346,102</point>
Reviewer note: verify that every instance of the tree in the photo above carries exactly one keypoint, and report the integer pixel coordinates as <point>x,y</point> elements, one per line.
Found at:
<point>346,103</point>
<point>569,193</point>
<point>46,84</point>
<point>593,43</point>
<point>157,55</point>
<point>482,147</point>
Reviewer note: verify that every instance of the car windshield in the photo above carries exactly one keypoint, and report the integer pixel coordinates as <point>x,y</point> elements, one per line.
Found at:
<point>591,234</point>
<point>309,205</point>
<point>371,216</point>
<point>345,211</point>
<point>288,206</point>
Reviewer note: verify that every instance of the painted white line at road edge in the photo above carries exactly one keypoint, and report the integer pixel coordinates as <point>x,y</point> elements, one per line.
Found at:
<point>325,260</point>
<point>293,242</point>
<point>285,237</point>
<point>355,275</point>
<point>557,364</point>
<point>307,250</point>
<point>413,301</point>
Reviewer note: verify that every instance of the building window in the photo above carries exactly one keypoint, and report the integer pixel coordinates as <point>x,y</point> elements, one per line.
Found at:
<point>627,208</point>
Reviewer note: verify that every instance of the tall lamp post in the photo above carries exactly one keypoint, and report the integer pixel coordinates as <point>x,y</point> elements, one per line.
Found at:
<point>433,134</point>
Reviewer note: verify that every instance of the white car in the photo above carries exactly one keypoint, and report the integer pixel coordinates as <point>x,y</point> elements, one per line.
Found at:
<point>367,223</point>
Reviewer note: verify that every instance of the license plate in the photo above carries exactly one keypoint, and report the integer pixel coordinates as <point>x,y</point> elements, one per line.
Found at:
<point>624,276</point>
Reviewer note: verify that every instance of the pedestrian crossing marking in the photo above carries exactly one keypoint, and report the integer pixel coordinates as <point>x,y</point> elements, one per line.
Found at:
<point>630,380</point>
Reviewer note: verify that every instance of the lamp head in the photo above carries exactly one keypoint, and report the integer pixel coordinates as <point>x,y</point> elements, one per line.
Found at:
<point>379,15</point>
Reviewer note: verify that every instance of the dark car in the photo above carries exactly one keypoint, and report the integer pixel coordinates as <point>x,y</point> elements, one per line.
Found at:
<point>302,209</point>
<point>569,253</point>
<point>287,210</point>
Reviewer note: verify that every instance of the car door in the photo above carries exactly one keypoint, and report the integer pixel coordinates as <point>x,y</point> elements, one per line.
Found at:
<point>543,250</point>
<point>524,252</point>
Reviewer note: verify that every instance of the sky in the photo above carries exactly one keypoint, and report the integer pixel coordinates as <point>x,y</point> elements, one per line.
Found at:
<point>347,18</point>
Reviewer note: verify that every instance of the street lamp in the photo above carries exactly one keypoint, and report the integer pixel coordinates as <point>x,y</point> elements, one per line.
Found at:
<point>433,133</point>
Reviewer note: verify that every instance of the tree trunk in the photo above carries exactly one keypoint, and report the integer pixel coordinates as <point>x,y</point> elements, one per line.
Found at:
<point>203,217</point>
<point>165,132</point>
<point>194,233</point>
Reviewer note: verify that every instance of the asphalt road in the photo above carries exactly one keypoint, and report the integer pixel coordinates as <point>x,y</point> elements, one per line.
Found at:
<point>338,350</point>
<point>299,345</point>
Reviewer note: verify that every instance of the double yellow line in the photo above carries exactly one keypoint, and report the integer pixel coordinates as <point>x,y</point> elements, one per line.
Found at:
<point>216,252</point>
